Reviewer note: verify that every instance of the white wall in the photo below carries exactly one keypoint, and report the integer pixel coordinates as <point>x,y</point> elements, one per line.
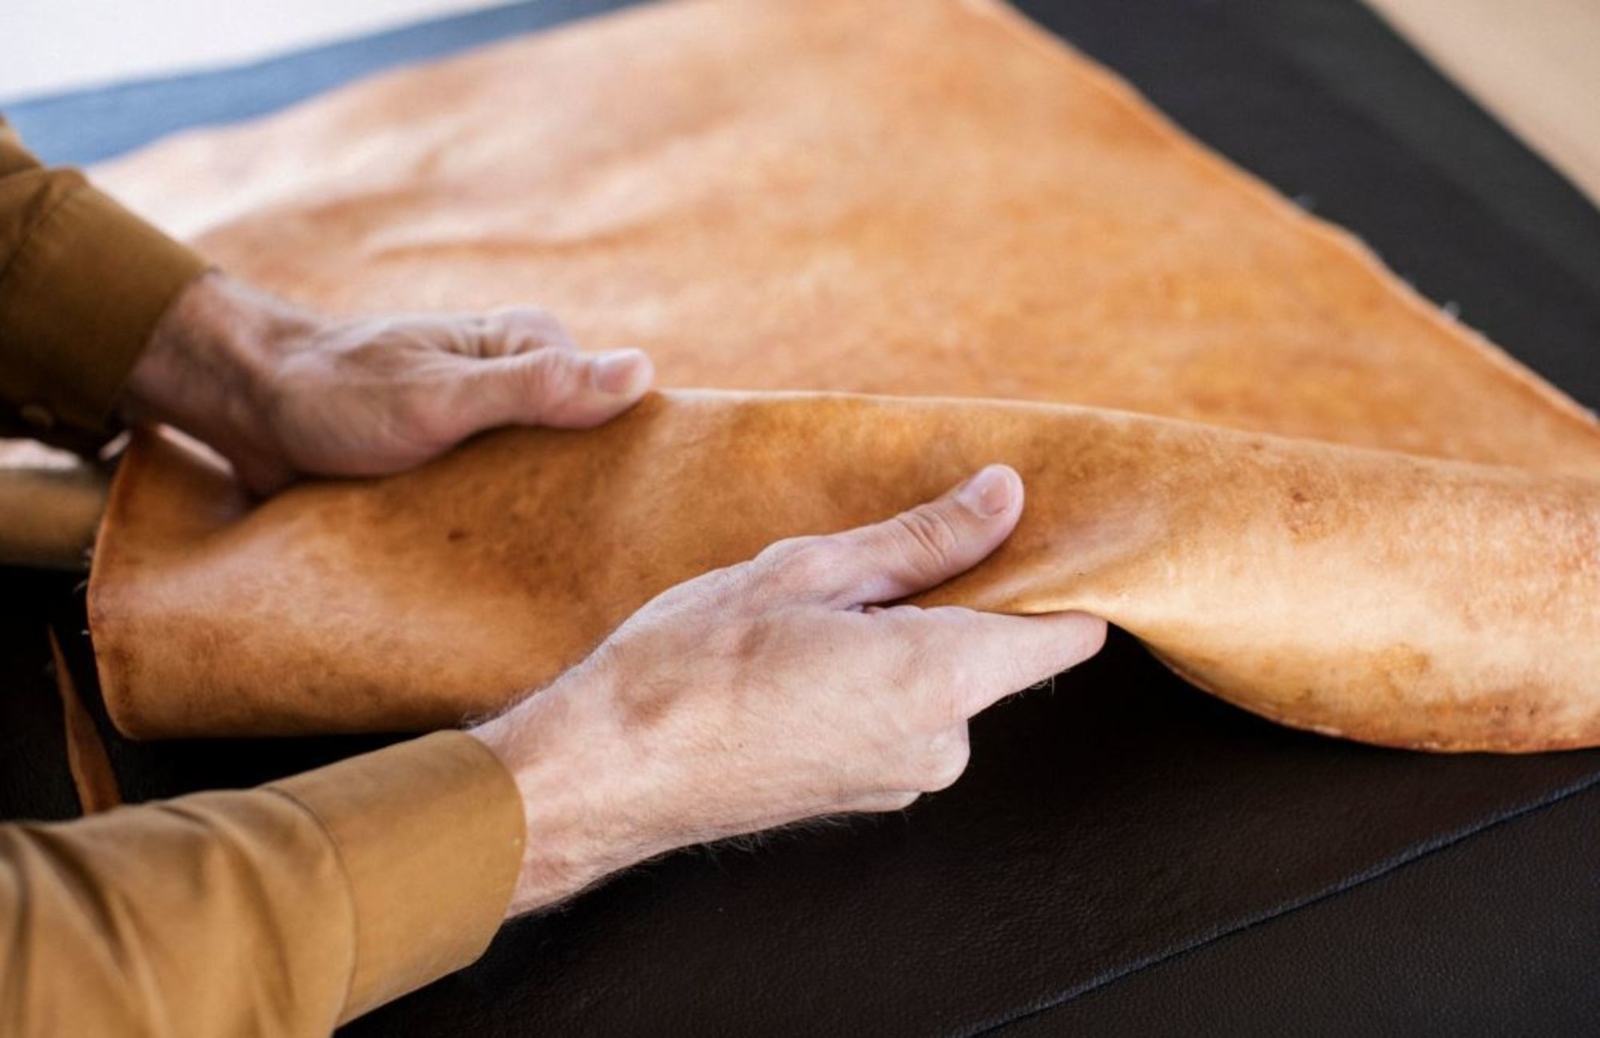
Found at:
<point>50,45</point>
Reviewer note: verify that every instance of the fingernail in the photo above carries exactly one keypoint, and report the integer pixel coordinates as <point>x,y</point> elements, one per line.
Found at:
<point>619,372</point>
<point>986,494</point>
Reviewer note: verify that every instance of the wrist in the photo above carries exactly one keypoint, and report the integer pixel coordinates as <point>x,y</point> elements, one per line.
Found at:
<point>208,367</point>
<point>568,759</point>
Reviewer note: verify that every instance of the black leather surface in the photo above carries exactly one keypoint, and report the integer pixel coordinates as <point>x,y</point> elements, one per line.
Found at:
<point>34,781</point>
<point>1111,824</point>
<point>1126,855</point>
<point>1492,936</point>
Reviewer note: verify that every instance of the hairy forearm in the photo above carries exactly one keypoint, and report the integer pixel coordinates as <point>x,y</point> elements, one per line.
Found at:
<point>570,771</point>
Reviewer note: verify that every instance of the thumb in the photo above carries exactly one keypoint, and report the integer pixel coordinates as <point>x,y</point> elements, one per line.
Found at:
<point>562,389</point>
<point>931,543</point>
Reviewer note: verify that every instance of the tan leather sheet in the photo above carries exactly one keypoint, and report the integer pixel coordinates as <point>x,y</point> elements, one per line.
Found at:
<point>1244,440</point>
<point>1531,63</point>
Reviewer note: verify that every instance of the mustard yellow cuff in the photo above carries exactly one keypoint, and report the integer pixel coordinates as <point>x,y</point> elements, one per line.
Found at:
<point>430,834</point>
<point>79,299</point>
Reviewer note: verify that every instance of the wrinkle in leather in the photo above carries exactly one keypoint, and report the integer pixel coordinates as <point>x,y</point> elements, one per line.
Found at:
<point>887,243</point>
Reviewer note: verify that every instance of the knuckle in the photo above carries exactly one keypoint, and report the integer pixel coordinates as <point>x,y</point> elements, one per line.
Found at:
<point>901,618</point>
<point>959,680</point>
<point>929,533</point>
<point>774,553</point>
<point>932,695</point>
<point>946,763</point>
<point>905,659</point>
<point>800,563</point>
<point>552,378</point>
<point>543,322</point>
<point>722,588</point>
<point>418,416</point>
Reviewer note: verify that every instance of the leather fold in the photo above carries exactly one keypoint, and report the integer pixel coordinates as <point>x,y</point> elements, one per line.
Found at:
<point>871,246</point>
<point>1370,594</point>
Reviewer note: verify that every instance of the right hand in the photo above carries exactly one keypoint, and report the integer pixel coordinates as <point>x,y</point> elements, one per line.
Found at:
<point>775,690</point>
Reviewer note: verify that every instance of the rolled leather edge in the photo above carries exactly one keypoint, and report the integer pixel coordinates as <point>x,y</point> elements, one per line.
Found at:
<point>1378,596</point>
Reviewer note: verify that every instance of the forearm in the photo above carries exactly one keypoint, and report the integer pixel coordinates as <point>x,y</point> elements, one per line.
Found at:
<point>284,910</point>
<point>583,818</point>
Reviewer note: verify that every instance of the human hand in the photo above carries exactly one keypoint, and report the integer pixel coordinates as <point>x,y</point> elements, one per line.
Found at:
<point>280,392</point>
<point>776,690</point>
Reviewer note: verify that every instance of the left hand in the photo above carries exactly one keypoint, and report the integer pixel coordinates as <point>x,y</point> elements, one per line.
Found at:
<point>282,393</point>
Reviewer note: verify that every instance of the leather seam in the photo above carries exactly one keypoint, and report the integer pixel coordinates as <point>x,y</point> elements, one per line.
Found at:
<point>1411,855</point>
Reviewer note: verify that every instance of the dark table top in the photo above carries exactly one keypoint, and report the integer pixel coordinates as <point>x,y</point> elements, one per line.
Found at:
<point>1126,855</point>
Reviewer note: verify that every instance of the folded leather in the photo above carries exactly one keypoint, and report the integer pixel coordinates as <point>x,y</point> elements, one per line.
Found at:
<point>1381,596</point>
<point>1301,485</point>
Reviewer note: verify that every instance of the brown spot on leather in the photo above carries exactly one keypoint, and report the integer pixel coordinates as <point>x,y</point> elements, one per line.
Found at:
<point>1405,661</point>
<point>1400,667</point>
<point>1306,514</point>
<point>456,535</point>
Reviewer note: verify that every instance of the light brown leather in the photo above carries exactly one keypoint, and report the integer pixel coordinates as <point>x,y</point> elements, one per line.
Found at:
<point>932,200</point>
<point>93,777</point>
<point>50,506</point>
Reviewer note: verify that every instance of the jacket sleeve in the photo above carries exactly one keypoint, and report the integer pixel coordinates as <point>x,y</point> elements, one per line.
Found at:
<point>284,910</point>
<point>82,284</point>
